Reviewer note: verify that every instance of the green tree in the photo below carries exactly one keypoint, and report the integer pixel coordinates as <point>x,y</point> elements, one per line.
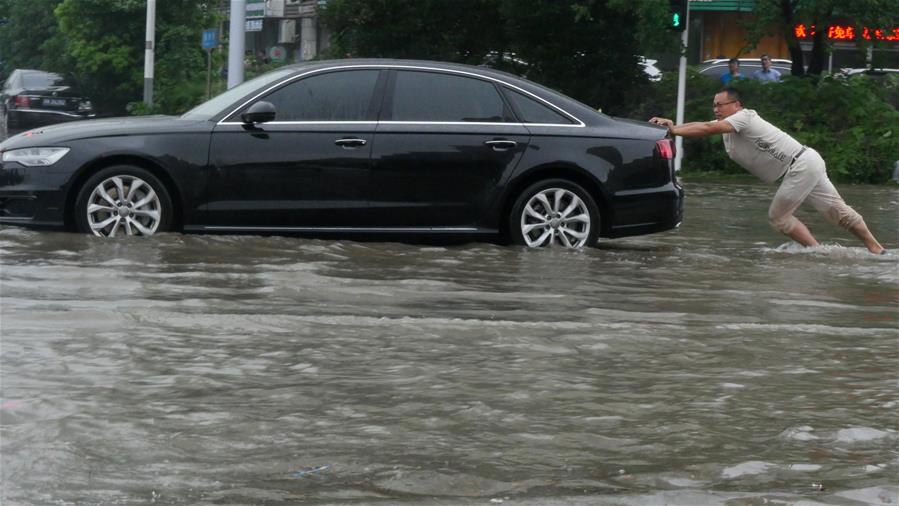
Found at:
<point>461,31</point>
<point>30,38</point>
<point>587,49</point>
<point>105,40</point>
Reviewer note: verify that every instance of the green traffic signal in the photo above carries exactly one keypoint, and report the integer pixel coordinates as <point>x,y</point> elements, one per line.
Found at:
<point>677,12</point>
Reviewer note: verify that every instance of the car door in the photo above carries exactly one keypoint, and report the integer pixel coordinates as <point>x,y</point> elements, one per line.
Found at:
<point>445,142</point>
<point>306,169</point>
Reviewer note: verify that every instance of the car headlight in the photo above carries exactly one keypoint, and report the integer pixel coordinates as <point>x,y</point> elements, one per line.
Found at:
<point>35,157</point>
<point>85,106</point>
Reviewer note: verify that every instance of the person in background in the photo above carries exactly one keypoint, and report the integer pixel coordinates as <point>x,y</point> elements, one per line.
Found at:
<point>733,72</point>
<point>770,154</point>
<point>262,58</point>
<point>766,74</point>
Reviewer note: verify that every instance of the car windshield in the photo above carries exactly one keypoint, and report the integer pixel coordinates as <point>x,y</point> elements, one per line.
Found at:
<point>215,105</point>
<point>38,80</point>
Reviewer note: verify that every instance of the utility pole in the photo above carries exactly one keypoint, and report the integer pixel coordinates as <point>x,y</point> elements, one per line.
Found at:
<point>682,89</point>
<point>148,52</point>
<point>236,42</point>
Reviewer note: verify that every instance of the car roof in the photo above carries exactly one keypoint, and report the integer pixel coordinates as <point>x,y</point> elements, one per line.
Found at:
<point>717,69</point>
<point>865,70</point>
<point>35,71</point>
<point>726,60</point>
<point>479,69</point>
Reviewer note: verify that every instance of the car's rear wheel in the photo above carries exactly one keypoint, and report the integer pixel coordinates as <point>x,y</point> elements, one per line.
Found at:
<point>123,200</point>
<point>554,212</point>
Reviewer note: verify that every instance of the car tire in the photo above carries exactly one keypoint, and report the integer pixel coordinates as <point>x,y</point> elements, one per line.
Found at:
<point>554,212</point>
<point>123,200</point>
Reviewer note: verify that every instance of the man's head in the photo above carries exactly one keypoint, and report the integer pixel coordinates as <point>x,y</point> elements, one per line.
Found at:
<point>733,65</point>
<point>766,62</point>
<point>726,103</point>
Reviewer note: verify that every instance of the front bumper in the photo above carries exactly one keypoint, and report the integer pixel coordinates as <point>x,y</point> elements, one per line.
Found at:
<point>32,196</point>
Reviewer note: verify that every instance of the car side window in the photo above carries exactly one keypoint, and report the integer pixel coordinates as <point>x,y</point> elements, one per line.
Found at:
<point>533,111</point>
<point>334,96</point>
<point>436,97</point>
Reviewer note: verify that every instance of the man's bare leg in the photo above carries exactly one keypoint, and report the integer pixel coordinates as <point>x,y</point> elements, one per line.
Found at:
<point>861,231</point>
<point>801,234</point>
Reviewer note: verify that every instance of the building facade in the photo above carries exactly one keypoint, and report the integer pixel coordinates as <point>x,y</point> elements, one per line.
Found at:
<point>284,31</point>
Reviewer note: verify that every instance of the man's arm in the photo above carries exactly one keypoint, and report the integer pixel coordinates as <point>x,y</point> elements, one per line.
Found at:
<point>695,129</point>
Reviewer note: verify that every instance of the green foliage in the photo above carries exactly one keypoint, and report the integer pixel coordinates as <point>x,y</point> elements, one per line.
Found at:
<point>105,39</point>
<point>850,121</point>
<point>462,30</point>
<point>30,39</point>
<point>587,48</point>
<point>101,42</point>
<point>589,56</point>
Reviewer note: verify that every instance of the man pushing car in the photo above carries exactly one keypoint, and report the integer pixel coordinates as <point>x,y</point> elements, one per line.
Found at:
<point>769,153</point>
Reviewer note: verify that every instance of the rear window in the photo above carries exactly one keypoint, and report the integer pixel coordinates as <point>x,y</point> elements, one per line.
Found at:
<point>533,111</point>
<point>33,80</point>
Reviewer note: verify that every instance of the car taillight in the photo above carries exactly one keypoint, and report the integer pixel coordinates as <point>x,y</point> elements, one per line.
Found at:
<point>22,101</point>
<point>666,148</point>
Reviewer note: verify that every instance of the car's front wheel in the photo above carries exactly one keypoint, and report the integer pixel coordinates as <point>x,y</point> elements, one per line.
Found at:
<point>123,200</point>
<point>554,212</point>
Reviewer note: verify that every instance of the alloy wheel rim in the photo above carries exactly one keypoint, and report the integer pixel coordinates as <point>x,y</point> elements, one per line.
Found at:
<point>555,216</point>
<point>123,205</point>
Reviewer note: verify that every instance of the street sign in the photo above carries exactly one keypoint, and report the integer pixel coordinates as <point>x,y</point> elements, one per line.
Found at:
<point>210,38</point>
<point>253,25</point>
<point>255,9</point>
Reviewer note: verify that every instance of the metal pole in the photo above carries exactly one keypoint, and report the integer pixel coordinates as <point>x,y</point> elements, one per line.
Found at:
<point>208,74</point>
<point>681,91</point>
<point>236,42</point>
<point>148,52</point>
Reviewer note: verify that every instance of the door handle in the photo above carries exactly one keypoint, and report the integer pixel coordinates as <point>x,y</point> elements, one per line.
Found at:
<point>501,144</point>
<point>350,143</point>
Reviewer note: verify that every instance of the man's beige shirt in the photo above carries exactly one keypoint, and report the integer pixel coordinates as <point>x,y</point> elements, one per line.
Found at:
<point>758,146</point>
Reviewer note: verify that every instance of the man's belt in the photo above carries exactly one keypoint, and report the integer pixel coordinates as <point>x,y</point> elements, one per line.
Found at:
<point>797,155</point>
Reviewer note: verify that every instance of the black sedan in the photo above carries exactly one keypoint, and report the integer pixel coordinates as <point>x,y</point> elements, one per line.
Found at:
<point>354,147</point>
<point>33,98</point>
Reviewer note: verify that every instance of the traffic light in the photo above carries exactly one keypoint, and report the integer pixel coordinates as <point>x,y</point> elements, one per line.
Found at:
<point>677,15</point>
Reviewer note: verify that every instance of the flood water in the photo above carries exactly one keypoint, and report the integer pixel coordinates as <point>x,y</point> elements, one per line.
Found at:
<point>712,365</point>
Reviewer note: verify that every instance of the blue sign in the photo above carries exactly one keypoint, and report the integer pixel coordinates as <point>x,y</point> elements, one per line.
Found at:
<point>210,38</point>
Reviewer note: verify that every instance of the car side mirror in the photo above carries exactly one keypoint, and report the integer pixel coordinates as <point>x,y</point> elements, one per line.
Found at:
<point>260,112</point>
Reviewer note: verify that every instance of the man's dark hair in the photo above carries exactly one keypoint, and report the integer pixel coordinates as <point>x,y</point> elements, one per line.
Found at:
<point>734,60</point>
<point>732,93</point>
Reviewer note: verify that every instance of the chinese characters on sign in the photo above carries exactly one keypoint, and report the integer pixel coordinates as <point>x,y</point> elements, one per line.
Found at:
<point>847,33</point>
